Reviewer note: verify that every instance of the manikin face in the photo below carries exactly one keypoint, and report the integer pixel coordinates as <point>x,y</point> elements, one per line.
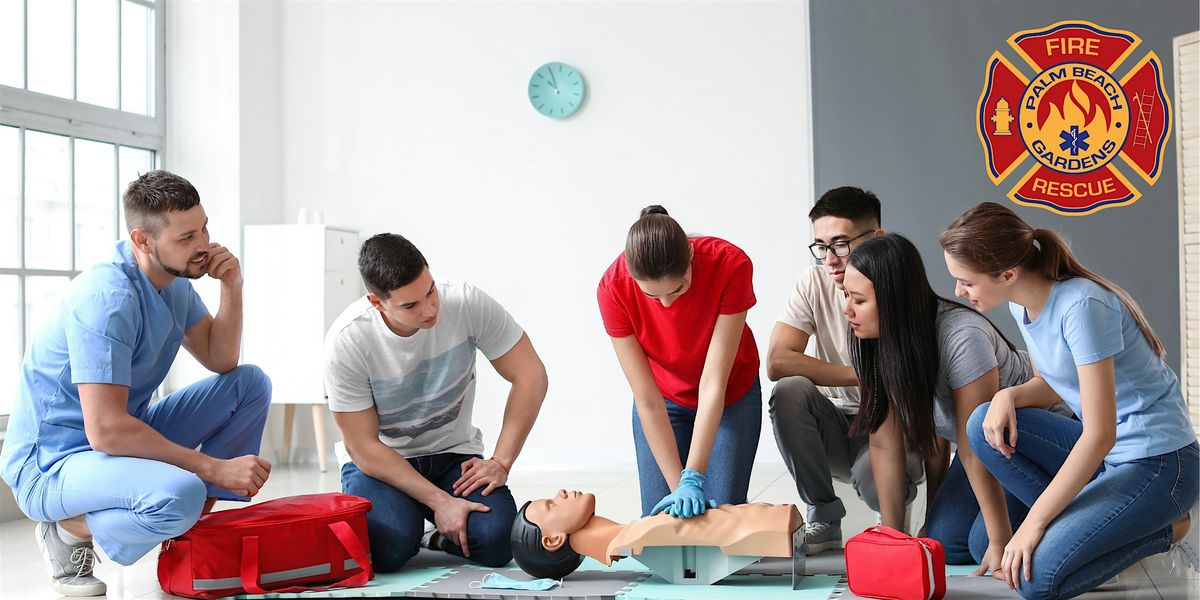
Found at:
<point>411,307</point>
<point>984,291</point>
<point>861,309</point>
<point>830,230</point>
<point>181,246</point>
<point>560,516</point>
<point>668,289</point>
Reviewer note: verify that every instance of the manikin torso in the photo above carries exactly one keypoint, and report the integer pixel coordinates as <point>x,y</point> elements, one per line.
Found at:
<point>739,530</point>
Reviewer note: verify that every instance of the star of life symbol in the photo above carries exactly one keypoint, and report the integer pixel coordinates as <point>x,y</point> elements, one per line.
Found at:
<point>1074,117</point>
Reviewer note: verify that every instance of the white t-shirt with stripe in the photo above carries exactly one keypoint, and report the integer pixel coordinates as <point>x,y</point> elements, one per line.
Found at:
<point>423,386</point>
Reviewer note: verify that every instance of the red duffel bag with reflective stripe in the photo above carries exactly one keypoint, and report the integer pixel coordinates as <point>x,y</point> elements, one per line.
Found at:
<point>301,543</point>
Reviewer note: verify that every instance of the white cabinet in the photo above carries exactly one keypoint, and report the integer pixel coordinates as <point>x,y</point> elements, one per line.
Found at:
<point>299,278</point>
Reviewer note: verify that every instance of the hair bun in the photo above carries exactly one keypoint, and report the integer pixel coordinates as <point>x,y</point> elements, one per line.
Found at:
<point>653,209</point>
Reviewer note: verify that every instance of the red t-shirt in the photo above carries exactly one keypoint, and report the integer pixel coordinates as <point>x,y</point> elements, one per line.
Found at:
<point>676,339</point>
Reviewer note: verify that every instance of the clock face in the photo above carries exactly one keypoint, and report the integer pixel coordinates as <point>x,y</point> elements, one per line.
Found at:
<point>556,90</point>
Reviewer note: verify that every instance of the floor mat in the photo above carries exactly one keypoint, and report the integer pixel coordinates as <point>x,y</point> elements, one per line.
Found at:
<point>734,587</point>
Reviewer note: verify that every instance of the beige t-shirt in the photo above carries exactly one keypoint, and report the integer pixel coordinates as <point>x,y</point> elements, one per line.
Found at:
<point>815,307</point>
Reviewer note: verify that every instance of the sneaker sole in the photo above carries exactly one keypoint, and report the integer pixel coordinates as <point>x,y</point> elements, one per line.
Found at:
<point>95,589</point>
<point>823,547</point>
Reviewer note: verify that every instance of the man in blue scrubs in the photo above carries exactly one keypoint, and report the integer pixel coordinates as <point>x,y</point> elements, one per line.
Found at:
<point>87,454</point>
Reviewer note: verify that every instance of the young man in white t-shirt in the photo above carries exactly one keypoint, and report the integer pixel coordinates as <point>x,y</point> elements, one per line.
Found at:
<point>400,375</point>
<point>817,397</point>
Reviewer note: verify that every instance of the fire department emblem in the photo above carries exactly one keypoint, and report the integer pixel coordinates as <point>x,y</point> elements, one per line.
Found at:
<point>1074,117</point>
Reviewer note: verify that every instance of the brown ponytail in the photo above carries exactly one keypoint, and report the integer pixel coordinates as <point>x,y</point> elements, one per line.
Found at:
<point>656,246</point>
<point>991,239</point>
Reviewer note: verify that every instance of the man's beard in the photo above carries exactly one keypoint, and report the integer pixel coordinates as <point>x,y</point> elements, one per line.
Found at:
<point>168,269</point>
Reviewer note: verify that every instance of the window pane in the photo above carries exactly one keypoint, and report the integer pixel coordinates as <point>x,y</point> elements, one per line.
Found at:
<point>10,183</point>
<point>133,162</point>
<point>97,52</point>
<point>47,222</point>
<point>137,43</point>
<point>42,297</point>
<point>50,47</point>
<point>12,43</point>
<point>95,202</point>
<point>10,345</point>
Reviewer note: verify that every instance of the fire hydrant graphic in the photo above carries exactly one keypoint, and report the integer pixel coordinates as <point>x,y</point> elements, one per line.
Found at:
<point>1002,117</point>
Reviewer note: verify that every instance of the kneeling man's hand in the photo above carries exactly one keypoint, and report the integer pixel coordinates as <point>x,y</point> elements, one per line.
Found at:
<point>244,475</point>
<point>451,520</point>
<point>477,473</point>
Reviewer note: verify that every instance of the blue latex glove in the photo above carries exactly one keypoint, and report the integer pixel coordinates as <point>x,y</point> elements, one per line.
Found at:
<point>688,499</point>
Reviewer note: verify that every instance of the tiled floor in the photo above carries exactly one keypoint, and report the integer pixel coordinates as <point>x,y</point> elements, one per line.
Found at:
<point>22,575</point>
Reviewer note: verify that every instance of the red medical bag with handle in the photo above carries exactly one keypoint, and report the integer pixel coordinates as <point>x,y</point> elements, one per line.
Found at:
<point>300,543</point>
<point>887,564</point>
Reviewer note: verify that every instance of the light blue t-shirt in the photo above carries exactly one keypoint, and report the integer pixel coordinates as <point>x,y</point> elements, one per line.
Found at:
<point>112,326</point>
<point>1083,323</point>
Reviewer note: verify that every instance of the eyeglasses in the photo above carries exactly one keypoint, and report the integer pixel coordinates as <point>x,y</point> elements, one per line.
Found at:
<point>839,248</point>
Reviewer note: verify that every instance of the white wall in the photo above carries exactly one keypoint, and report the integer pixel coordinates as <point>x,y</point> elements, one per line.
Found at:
<point>203,119</point>
<point>412,117</point>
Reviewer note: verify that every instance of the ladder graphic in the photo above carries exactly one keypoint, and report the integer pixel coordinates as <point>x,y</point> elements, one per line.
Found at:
<point>1141,134</point>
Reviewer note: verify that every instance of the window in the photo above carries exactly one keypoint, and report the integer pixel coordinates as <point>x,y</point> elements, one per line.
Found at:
<point>81,86</point>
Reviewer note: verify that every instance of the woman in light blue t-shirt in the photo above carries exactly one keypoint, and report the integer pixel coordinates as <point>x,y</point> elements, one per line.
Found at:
<point>1115,486</point>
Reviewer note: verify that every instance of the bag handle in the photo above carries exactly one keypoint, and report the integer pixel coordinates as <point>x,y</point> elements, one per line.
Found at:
<point>889,532</point>
<point>345,535</point>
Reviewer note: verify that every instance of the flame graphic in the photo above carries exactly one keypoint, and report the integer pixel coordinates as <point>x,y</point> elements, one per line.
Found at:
<point>1057,97</point>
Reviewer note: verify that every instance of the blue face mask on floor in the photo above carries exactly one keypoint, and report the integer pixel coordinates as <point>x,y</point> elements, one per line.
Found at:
<point>500,582</point>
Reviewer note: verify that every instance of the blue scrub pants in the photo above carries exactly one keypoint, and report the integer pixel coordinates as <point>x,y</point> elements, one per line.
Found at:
<point>134,504</point>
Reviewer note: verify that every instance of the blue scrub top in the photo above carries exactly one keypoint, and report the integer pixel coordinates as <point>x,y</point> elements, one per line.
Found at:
<point>112,326</point>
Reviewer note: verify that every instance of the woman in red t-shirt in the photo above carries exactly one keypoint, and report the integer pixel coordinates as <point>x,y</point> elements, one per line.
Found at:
<point>676,310</point>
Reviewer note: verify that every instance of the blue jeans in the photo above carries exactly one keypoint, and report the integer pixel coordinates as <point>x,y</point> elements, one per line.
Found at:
<point>956,521</point>
<point>134,504</point>
<point>729,463</point>
<point>397,521</point>
<point>1104,529</point>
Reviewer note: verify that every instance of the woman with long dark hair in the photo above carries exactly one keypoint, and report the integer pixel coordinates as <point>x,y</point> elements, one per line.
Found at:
<point>675,307</point>
<point>925,363</point>
<point>1112,487</point>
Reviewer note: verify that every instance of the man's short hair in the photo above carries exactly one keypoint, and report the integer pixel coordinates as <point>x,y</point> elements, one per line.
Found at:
<point>149,198</point>
<point>388,261</point>
<point>855,204</point>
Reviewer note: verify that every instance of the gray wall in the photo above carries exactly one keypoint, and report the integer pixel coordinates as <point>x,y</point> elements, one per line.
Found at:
<point>895,86</point>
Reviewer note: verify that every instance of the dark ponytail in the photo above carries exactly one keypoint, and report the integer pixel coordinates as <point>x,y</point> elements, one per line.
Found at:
<point>656,246</point>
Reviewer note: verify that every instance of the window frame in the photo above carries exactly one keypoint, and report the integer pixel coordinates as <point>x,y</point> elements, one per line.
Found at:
<point>26,110</point>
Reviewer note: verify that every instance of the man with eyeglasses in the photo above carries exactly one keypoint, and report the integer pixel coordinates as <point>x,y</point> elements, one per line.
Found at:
<point>817,397</point>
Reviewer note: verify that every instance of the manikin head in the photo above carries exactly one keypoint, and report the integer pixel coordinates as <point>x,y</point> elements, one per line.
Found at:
<point>167,224</point>
<point>542,530</point>
<point>658,255</point>
<point>843,218</point>
<point>399,283</point>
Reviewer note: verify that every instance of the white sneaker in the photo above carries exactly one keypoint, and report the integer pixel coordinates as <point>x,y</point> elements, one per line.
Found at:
<point>70,566</point>
<point>432,539</point>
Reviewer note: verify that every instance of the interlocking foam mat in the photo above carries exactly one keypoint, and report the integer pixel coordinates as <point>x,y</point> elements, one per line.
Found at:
<point>439,575</point>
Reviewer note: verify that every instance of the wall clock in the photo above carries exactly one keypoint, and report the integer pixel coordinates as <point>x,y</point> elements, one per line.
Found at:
<point>556,90</point>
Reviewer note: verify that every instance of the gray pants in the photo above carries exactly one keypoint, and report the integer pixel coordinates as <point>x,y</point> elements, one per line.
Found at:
<point>814,438</point>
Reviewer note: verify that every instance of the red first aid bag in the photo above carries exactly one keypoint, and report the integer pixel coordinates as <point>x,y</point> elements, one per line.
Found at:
<point>283,545</point>
<point>887,564</point>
